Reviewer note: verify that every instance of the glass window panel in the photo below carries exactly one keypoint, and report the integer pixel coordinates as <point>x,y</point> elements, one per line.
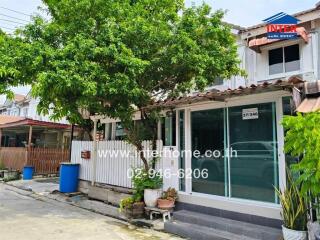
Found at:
<point>291,53</point>
<point>170,130</point>
<point>254,166</point>
<point>292,66</point>
<point>292,58</point>
<point>174,142</point>
<point>120,133</point>
<point>163,130</point>
<point>207,129</point>
<point>181,148</point>
<point>275,61</point>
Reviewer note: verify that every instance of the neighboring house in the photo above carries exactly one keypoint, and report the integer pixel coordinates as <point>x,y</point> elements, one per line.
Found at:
<point>243,114</point>
<point>25,106</point>
<point>20,122</point>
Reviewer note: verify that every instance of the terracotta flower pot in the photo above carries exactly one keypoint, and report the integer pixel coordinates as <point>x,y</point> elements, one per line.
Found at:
<point>165,203</point>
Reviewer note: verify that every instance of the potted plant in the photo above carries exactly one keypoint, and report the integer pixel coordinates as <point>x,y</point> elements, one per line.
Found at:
<point>294,212</point>
<point>148,186</point>
<point>152,192</point>
<point>132,207</point>
<point>168,199</point>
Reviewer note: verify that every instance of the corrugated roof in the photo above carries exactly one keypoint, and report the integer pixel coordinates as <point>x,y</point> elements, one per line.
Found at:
<point>19,97</point>
<point>4,119</point>
<point>13,121</point>
<point>309,105</point>
<point>216,95</point>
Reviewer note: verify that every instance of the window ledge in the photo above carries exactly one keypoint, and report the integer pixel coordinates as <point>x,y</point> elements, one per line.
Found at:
<point>284,75</point>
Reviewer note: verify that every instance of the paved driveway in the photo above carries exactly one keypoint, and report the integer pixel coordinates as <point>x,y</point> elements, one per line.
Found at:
<point>23,217</point>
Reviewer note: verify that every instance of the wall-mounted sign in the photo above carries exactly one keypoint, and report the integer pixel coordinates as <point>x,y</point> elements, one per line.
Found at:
<point>250,113</point>
<point>85,154</point>
<point>281,26</point>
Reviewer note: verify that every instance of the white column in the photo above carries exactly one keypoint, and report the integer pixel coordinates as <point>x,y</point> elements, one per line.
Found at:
<point>280,137</point>
<point>94,153</point>
<point>187,137</point>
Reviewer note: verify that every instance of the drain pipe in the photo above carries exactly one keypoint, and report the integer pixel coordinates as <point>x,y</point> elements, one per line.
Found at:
<point>94,152</point>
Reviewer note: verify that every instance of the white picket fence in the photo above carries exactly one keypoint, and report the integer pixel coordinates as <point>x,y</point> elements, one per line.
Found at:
<point>114,161</point>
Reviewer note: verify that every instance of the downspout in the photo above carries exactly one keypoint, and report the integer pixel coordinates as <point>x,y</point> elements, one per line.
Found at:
<point>94,152</point>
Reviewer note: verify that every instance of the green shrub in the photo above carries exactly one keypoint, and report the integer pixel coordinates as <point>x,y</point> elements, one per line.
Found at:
<point>303,139</point>
<point>126,203</point>
<point>143,180</point>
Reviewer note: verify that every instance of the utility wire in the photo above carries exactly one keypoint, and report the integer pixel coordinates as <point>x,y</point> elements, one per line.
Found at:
<point>8,28</point>
<point>11,25</point>
<point>6,20</point>
<point>14,18</point>
<point>16,11</point>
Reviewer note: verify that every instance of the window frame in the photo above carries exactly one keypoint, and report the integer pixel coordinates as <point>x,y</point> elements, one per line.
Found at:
<point>284,72</point>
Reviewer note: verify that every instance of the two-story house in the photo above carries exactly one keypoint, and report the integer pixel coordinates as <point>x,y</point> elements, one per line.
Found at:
<point>20,123</point>
<point>240,118</point>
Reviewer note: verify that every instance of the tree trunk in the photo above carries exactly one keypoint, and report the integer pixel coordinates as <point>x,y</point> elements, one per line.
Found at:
<point>142,156</point>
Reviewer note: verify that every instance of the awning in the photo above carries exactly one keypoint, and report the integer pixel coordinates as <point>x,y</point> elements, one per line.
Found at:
<point>309,105</point>
<point>216,95</point>
<point>14,121</point>
<point>256,43</point>
<point>312,101</point>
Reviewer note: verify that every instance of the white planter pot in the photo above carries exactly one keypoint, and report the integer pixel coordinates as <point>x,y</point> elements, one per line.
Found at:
<point>289,234</point>
<point>151,196</point>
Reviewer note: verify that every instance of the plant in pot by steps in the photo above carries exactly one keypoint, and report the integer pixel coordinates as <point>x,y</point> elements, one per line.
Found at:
<point>132,207</point>
<point>168,199</point>
<point>294,211</point>
<point>148,185</point>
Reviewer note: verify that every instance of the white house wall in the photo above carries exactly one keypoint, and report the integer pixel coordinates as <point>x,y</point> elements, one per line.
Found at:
<point>32,113</point>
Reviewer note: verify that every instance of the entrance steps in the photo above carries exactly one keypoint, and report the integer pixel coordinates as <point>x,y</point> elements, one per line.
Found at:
<point>199,226</point>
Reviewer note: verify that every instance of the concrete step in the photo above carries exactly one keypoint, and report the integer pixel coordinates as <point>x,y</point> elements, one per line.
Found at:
<point>196,232</point>
<point>227,225</point>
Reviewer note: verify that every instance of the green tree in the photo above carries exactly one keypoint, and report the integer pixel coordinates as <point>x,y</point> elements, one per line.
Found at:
<point>8,72</point>
<point>303,139</point>
<point>115,57</point>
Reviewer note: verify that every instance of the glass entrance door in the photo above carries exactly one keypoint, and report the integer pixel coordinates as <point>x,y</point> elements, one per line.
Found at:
<point>208,138</point>
<point>254,167</point>
<point>245,138</point>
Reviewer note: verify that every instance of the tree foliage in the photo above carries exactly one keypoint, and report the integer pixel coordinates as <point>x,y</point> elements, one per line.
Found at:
<point>114,57</point>
<point>8,72</point>
<point>303,139</point>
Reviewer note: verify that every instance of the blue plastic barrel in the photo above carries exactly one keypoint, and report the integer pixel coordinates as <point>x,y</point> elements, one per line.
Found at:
<point>28,172</point>
<point>69,174</point>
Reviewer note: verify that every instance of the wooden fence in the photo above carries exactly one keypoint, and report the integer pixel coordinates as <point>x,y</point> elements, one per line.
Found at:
<point>13,157</point>
<point>45,160</point>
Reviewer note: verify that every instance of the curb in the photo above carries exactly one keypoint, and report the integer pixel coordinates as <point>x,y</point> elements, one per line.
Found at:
<point>67,200</point>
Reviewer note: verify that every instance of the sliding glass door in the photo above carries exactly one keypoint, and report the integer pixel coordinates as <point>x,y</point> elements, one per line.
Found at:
<point>238,147</point>
<point>253,164</point>
<point>208,135</point>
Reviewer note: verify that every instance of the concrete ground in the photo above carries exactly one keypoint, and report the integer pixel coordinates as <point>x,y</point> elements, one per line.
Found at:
<point>26,216</point>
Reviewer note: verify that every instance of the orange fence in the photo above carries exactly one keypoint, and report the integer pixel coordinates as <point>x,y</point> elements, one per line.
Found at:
<point>13,157</point>
<point>45,160</point>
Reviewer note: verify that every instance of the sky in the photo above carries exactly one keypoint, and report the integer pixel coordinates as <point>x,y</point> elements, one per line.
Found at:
<point>240,12</point>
